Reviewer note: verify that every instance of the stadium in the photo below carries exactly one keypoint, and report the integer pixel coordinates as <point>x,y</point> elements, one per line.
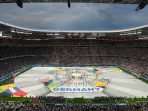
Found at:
<point>79,67</point>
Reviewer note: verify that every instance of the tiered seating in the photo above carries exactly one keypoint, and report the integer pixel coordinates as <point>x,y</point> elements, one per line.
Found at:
<point>130,55</point>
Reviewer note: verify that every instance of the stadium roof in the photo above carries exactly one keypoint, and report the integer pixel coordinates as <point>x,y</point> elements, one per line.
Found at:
<point>81,17</point>
<point>17,33</point>
<point>77,1</point>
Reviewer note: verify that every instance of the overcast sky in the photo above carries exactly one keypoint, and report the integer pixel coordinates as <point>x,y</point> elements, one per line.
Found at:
<point>81,16</point>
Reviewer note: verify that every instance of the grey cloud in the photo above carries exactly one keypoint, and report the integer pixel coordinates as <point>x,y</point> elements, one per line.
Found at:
<point>79,17</point>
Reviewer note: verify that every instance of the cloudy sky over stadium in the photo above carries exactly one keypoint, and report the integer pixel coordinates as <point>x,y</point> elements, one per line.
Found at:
<point>93,17</point>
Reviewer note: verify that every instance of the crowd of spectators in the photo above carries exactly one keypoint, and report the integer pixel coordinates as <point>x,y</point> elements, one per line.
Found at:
<point>64,104</point>
<point>71,107</point>
<point>130,55</point>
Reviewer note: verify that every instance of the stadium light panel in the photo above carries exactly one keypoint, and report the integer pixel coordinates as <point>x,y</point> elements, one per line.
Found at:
<point>138,32</point>
<point>12,30</point>
<point>29,33</point>
<point>49,34</point>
